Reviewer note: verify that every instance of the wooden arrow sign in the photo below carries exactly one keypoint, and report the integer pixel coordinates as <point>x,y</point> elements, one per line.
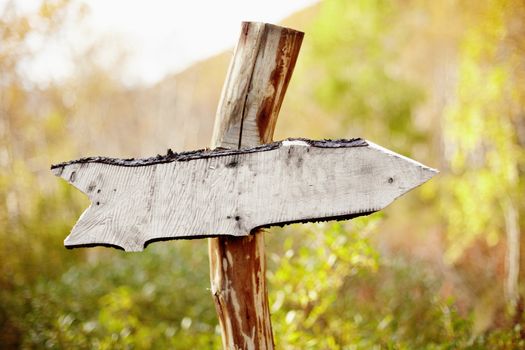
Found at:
<point>231,192</point>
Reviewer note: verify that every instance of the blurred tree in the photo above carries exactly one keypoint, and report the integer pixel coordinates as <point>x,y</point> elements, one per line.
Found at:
<point>481,195</point>
<point>29,129</point>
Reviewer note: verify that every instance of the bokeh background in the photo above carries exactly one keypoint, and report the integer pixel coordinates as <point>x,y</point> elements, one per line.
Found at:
<point>442,82</point>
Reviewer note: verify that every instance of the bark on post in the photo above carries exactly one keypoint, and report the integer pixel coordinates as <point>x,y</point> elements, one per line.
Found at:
<point>254,89</point>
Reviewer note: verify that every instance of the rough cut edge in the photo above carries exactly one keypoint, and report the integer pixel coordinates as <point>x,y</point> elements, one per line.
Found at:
<point>171,156</point>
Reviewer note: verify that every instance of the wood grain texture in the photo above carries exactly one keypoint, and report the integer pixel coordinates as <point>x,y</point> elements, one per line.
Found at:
<point>230,193</point>
<point>259,73</point>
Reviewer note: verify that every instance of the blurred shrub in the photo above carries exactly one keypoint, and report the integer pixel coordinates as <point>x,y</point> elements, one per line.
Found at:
<point>331,290</point>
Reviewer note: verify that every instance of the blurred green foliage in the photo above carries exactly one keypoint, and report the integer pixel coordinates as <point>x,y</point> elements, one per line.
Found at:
<point>332,285</point>
<point>355,49</point>
<point>124,301</point>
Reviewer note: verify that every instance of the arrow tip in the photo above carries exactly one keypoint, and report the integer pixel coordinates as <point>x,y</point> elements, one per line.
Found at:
<point>428,173</point>
<point>414,174</point>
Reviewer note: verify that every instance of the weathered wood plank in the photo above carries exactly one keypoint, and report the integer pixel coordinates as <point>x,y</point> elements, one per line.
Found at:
<point>232,192</point>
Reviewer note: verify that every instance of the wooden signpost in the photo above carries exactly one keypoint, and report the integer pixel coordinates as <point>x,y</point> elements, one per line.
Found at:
<point>245,182</point>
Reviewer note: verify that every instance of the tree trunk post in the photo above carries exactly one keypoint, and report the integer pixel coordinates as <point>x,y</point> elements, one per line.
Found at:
<point>257,78</point>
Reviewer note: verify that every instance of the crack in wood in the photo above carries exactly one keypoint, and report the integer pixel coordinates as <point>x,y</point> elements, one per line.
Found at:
<point>249,87</point>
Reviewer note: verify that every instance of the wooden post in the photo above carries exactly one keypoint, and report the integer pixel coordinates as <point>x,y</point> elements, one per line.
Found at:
<point>254,89</point>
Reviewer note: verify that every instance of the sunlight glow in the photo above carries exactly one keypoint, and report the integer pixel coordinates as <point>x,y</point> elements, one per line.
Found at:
<point>160,37</point>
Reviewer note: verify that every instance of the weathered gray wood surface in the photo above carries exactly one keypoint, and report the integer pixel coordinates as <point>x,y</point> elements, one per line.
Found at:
<point>231,192</point>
